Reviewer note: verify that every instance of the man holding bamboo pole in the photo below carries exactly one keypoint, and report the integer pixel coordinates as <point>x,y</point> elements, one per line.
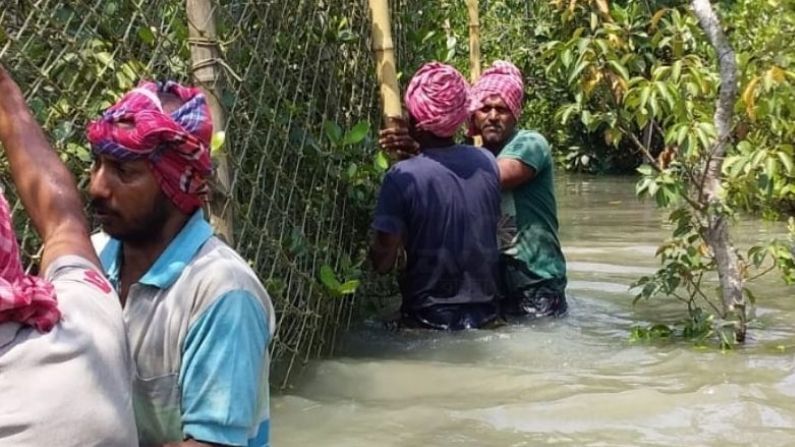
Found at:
<point>443,206</point>
<point>532,266</point>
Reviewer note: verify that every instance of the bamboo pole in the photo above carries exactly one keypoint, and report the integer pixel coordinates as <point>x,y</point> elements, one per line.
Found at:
<point>206,74</point>
<point>384,51</point>
<point>474,40</point>
<point>474,51</point>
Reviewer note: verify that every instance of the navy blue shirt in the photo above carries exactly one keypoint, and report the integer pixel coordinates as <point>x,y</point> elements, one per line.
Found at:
<point>446,204</point>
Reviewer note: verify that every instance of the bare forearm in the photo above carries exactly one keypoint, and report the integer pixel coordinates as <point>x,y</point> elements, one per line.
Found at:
<point>45,186</point>
<point>43,182</point>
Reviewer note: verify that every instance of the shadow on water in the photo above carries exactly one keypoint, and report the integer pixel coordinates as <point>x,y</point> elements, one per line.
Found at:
<point>575,381</point>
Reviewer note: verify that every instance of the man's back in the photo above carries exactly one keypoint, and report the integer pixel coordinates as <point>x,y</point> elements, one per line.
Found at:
<point>447,203</point>
<point>70,386</point>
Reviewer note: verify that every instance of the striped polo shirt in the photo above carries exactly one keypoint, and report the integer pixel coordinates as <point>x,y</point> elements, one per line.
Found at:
<point>198,323</point>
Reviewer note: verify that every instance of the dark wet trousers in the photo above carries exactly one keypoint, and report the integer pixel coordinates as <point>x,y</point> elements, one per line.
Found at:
<point>524,294</point>
<point>451,317</point>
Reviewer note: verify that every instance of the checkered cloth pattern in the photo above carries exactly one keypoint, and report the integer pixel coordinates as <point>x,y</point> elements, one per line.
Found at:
<point>502,79</point>
<point>24,299</point>
<point>437,98</point>
<point>177,145</point>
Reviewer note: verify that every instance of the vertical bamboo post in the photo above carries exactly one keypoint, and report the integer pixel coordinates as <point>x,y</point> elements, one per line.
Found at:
<point>474,51</point>
<point>206,75</point>
<point>384,51</point>
<point>474,40</point>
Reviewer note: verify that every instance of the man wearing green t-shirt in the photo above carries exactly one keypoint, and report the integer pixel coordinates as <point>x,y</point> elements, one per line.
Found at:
<point>533,267</point>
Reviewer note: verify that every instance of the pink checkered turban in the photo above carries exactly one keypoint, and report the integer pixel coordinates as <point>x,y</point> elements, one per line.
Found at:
<point>177,145</point>
<point>437,98</point>
<point>502,79</point>
<point>24,299</point>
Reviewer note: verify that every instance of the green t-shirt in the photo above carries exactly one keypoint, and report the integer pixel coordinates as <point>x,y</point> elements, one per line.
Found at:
<point>529,227</point>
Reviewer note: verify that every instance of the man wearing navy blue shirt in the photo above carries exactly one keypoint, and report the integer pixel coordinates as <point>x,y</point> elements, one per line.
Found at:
<point>442,207</point>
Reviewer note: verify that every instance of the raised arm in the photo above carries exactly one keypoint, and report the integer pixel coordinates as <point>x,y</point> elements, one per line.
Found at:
<point>44,184</point>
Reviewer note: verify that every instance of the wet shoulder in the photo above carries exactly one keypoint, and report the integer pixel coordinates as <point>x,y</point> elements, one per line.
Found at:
<point>527,140</point>
<point>530,147</point>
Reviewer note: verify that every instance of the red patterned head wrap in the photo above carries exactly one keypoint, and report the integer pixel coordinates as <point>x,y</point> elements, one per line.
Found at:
<point>437,98</point>
<point>176,144</point>
<point>502,79</point>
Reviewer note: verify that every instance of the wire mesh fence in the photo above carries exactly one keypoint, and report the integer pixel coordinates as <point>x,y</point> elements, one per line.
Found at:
<point>301,103</point>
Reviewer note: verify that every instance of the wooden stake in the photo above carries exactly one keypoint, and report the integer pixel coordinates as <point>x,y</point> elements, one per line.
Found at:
<point>474,51</point>
<point>384,51</point>
<point>206,75</point>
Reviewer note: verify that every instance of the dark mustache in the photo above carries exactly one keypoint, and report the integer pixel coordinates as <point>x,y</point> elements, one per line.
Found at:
<point>100,207</point>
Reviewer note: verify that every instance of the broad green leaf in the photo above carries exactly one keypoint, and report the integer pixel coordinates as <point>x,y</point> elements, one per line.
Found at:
<point>565,58</point>
<point>333,132</point>
<point>111,8</point>
<point>586,118</point>
<point>644,96</point>
<point>577,70</point>
<point>356,134</point>
<point>676,71</point>
<point>653,188</point>
<point>642,186</point>
<point>603,46</point>
<point>655,19</point>
<point>771,167</point>
<point>748,97</point>
<point>645,169</point>
<point>328,278</point>
<point>105,58</point>
<point>682,134</point>
<point>146,35</point>
<point>349,287</point>
<point>381,161</point>
<point>662,88</point>
<point>655,108</point>
<point>620,69</point>
<point>81,152</point>
<point>786,161</point>
<point>758,157</point>
<point>351,171</point>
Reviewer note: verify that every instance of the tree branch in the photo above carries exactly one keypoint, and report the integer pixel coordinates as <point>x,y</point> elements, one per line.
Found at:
<point>652,161</point>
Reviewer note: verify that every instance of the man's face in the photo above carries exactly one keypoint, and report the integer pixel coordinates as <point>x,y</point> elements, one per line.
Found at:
<point>494,121</point>
<point>126,199</point>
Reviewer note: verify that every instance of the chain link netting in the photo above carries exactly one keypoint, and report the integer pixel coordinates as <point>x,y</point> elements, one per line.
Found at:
<point>300,97</point>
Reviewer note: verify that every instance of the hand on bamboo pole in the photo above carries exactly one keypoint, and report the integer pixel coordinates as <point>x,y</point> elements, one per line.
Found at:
<point>395,139</point>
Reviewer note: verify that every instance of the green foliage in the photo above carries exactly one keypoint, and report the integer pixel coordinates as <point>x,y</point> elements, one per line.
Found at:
<point>336,287</point>
<point>643,84</point>
<point>699,328</point>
